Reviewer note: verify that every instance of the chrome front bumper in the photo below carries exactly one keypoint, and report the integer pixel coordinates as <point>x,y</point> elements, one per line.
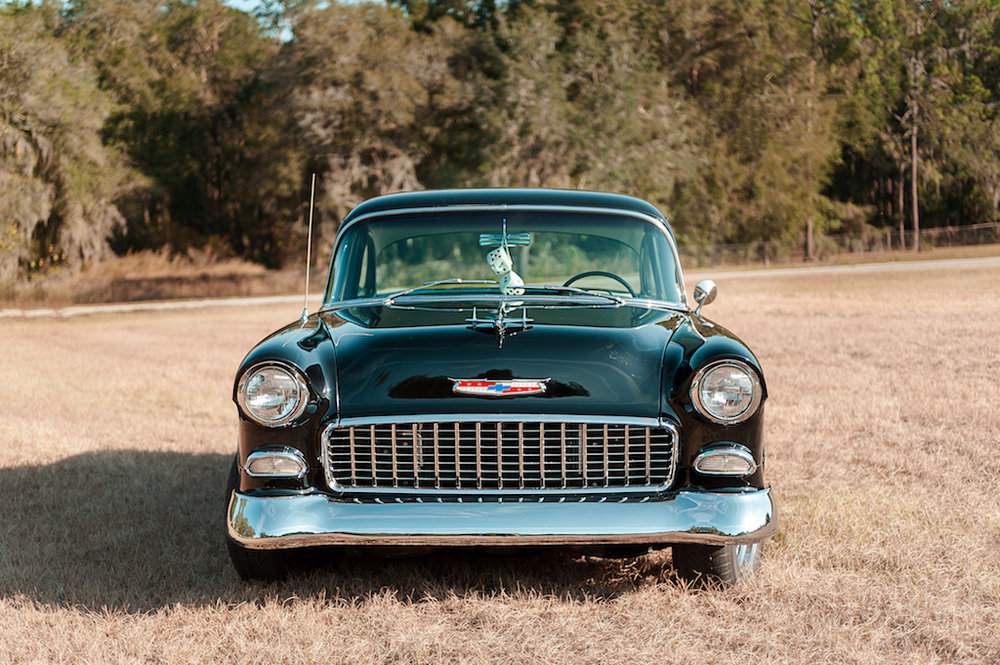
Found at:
<point>310,520</point>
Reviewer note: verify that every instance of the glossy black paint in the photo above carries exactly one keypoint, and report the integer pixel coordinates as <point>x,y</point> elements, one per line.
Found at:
<point>594,368</point>
<point>597,363</point>
<point>633,360</point>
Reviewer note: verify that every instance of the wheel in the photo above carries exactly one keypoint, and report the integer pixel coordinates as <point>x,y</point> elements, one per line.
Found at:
<point>260,564</point>
<point>602,273</point>
<point>729,564</point>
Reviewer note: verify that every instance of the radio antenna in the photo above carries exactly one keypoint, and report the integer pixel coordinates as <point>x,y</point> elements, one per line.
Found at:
<point>312,207</point>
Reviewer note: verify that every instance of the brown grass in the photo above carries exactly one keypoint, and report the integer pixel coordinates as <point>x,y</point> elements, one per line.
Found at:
<point>883,441</point>
<point>156,275</point>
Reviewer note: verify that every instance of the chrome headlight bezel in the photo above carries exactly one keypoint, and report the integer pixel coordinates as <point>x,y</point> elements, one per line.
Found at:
<point>705,375</point>
<point>297,383</point>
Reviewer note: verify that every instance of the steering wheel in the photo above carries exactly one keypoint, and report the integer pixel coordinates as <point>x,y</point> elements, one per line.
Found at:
<point>601,273</point>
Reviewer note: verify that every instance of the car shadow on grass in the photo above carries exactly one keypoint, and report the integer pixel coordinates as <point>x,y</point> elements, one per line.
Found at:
<point>140,531</point>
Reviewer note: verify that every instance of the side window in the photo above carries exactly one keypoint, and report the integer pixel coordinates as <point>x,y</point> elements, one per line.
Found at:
<point>354,268</point>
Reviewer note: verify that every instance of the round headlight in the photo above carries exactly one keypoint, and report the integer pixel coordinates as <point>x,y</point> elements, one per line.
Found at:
<point>272,394</point>
<point>726,392</point>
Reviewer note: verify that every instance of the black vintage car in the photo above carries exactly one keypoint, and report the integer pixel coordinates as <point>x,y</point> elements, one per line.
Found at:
<point>502,368</point>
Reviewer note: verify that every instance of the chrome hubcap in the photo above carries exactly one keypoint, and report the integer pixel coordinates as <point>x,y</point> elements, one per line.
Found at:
<point>746,557</point>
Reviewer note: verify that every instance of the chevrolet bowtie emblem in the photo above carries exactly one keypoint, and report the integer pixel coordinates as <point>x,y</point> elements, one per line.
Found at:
<point>498,387</point>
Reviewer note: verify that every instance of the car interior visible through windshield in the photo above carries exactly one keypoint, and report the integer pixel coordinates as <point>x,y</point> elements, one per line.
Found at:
<point>511,252</point>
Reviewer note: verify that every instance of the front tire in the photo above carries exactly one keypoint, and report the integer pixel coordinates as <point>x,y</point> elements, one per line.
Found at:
<point>728,564</point>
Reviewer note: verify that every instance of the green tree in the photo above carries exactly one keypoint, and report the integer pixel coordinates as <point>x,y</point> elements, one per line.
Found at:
<point>920,127</point>
<point>754,71</point>
<point>58,181</point>
<point>581,103</point>
<point>368,98</point>
<point>197,119</point>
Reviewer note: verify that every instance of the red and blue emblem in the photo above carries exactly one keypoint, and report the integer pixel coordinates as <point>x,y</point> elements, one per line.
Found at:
<point>499,387</point>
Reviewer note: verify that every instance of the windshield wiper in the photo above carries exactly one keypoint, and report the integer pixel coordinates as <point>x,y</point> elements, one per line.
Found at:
<point>575,290</point>
<point>391,298</point>
<point>614,300</point>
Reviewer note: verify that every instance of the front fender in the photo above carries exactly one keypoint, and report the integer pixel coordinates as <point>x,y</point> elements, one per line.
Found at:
<point>308,348</point>
<point>695,343</point>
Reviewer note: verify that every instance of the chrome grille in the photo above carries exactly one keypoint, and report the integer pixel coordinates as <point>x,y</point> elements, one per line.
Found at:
<point>499,457</point>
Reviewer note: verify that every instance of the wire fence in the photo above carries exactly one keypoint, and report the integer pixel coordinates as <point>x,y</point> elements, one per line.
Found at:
<point>873,241</point>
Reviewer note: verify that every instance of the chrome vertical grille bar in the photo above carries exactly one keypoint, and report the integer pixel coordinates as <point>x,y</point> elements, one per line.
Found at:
<point>395,477</point>
<point>628,441</point>
<point>437,456</point>
<point>562,452</point>
<point>418,454</point>
<point>354,468</point>
<point>520,455</point>
<point>541,453</point>
<point>607,461</point>
<point>500,455</point>
<point>648,457</point>
<point>371,435</point>
<point>479,457</point>
<point>458,458</point>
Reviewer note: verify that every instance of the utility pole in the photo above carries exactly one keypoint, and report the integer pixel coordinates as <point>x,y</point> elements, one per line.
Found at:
<point>916,69</point>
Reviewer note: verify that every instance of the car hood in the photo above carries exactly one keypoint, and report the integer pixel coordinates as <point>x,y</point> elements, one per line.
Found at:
<point>593,360</point>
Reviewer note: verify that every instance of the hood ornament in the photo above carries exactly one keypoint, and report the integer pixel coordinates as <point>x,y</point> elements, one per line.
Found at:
<point>502,264</point>
<point>498,387</point>
<point>501,326</point>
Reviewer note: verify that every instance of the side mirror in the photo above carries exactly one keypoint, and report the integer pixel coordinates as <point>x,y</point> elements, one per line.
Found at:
<point>704,294</point>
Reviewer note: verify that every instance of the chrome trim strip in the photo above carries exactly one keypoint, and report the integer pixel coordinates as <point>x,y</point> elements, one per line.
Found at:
<point>716,518</point>
<point>324,454</point>
<point>445,492</point>
<point>540,301</point>
<point>556,418</point>
<point>676,449</point>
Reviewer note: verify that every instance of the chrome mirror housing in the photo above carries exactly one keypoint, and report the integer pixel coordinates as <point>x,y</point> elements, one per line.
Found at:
<point>704,294</point>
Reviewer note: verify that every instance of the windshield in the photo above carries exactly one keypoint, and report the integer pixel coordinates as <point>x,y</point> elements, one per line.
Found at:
<point>504,252</point>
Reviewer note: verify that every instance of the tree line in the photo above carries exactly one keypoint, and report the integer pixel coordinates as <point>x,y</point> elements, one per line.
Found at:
<point>137,124</point>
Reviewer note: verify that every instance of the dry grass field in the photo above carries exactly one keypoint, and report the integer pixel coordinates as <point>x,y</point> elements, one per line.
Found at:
<point>883,449</point>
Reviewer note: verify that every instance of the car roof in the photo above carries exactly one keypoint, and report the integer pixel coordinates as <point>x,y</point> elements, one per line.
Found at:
<point>504,196</point>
